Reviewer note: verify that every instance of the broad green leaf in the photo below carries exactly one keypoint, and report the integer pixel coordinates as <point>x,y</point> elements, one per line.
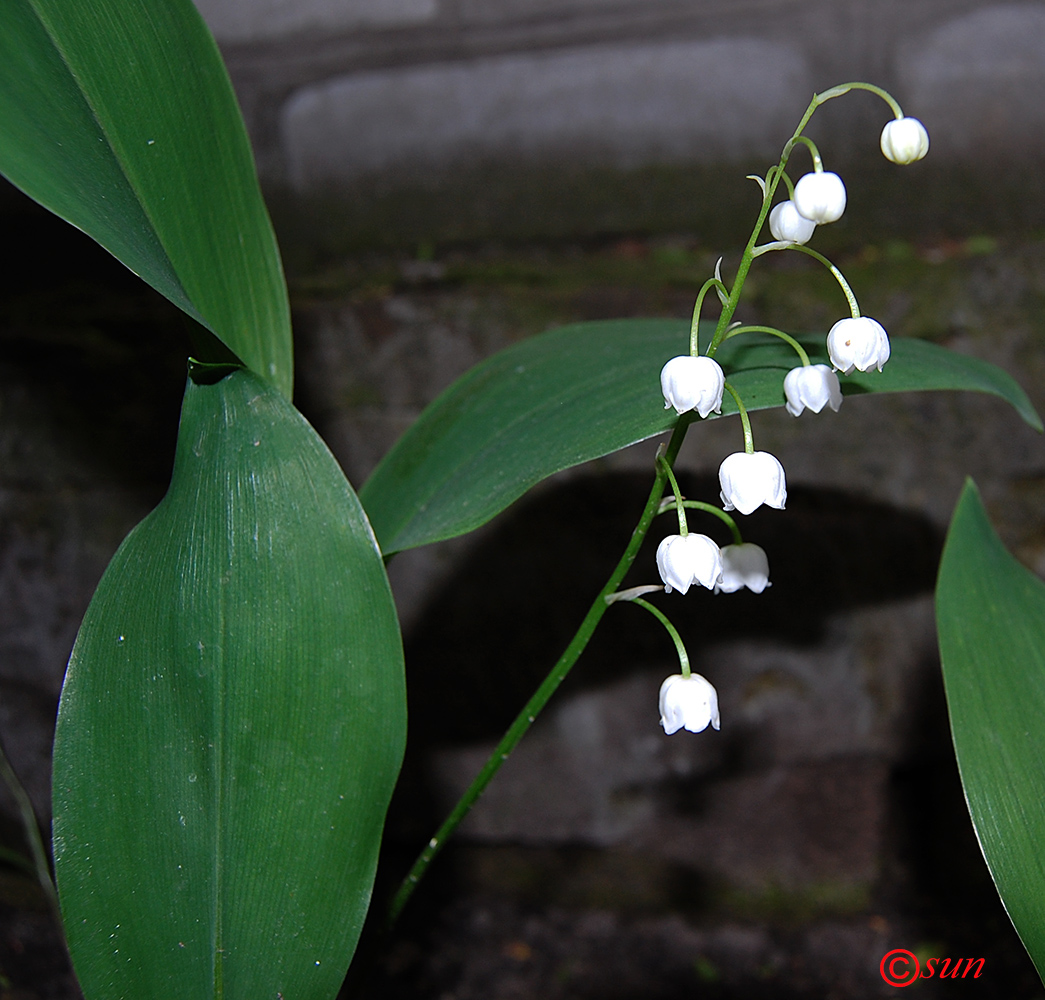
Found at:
<point>232,722</point>
<point>583,391</point>
<point>118,116</point>
<point>990,616</point>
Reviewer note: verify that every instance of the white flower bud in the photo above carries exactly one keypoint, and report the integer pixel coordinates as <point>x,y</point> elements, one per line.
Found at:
<point>688,703</point>
<point>683,560</point>
<point>788,226</point>
<point>820,197</point>
<point>744,565</point>
<point>750,480</point>
<point>812,387</point>
<point>690,383</point>
<point>904,140</point>
<point>860,343</point>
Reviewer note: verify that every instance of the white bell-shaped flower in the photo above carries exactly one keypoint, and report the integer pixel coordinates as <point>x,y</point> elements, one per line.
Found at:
<point>820,197</point>
<point>859,343</point>
<point>750,480</point>
<point>688,703</point>
<point>812,387</point>
<point>788,226</point>
<point>692,383</point>
<point>744,565</point>
<point>684,560</point>
<point>904,140</point>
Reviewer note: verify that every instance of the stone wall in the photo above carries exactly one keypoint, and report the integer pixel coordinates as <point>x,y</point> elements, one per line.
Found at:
<point>335,91</point>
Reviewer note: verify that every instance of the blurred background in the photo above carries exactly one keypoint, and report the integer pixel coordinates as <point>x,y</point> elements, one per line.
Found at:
<point>448,177</point>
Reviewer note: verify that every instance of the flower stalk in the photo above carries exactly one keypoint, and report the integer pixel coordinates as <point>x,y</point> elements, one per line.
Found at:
<point>669,472</point>
<point>786,337</point>
<point>693,384</point>
<point>680,646</point>
<point>772,181</point>
<point>854,309</point>
<point>551,682</point>
<point>669,503</point>
<point>694,329</point>
<point>749,438</point>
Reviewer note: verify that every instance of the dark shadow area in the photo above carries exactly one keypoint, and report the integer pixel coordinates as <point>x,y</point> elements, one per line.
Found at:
<point>498,625</point>
<point>98,348</point>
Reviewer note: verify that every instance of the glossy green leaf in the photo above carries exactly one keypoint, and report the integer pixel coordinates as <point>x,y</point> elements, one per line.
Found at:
<point>990,616</point>
<point>118,116</point>
<point>232,723</point>
<point>583,391</point>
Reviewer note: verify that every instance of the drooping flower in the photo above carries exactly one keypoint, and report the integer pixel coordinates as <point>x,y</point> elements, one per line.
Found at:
<point>859,343</point>
<point>749,480</point>
<point>688,703</point>
<point>692,383</point>
<point>744,565</point>
<point>787,225</point>
<point>812,387</point>
<point>820,197</point>
<point>904,140</point>
<point>683,560</point>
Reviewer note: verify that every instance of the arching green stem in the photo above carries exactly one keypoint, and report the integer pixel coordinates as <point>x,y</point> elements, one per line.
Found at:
<point>818,164</point>
<point>694,348</point>
<point>787,181</point>
<point>843,284</point>
<point>844,88</point>
<point>749,441</point>
<point>668,503</point>
<point>680,647</point>
<point>799,349</point>
<point>829,95</point>
<point>683,526</point>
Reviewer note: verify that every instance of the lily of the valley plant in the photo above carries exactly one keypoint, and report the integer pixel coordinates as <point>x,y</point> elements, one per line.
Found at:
<point>233,717</point>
